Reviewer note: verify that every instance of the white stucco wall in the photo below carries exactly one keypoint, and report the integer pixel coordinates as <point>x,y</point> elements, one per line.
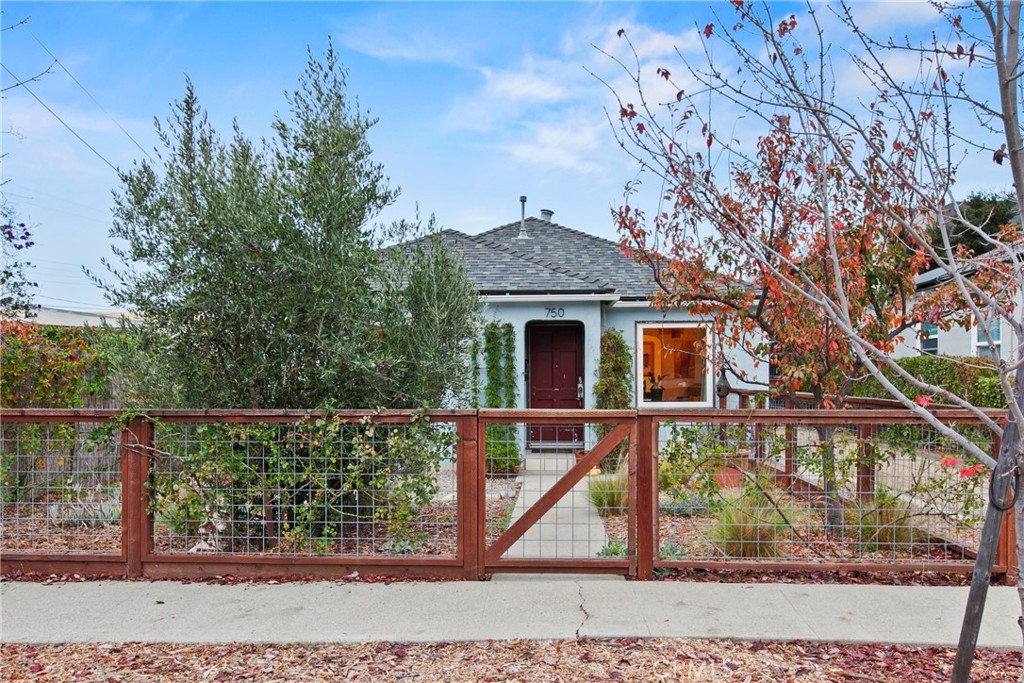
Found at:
<point>520,313</point>
<point>595,316</point>
<point>625,318</point>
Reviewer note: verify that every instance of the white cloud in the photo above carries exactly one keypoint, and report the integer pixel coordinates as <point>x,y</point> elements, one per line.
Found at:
<point>523,86</point>
<point>576,141</point>
<point>890,14</point>
<point>409,46</point>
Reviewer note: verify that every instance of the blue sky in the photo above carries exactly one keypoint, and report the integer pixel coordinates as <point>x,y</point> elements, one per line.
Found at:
<point>478,103</point>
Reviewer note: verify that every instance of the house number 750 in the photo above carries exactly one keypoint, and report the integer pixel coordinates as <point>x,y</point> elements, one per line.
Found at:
<point>555,312</point>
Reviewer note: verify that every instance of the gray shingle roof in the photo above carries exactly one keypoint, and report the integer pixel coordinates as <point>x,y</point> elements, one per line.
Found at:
<point>554,258</point>
<point>499,269</point>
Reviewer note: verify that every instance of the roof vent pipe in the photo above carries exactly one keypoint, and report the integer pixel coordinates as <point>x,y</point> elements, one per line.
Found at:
<point>546,214</point>
<point>522,221</point>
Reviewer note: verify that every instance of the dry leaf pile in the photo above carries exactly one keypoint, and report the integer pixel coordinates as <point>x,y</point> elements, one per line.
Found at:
<point>562,661</point>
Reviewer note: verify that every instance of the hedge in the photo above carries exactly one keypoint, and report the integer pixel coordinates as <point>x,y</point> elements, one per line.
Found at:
<point>965,376</point>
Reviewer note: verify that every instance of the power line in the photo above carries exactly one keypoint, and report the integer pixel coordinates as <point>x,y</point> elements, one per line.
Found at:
<point>70,301</point>
<point>65,124</point>
<point>56,60</point>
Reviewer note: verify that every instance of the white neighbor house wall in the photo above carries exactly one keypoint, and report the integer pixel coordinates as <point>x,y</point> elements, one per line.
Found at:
<point>958,340</point>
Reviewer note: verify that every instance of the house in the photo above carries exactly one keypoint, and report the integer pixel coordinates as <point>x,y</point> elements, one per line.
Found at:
<point>62,317</point>
<point>958,340</point>
<point>559,289</point>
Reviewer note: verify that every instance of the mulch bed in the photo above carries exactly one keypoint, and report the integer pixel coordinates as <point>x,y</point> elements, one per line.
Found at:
<point>26,527</point>
<point>804,540</point>
<point>565,661</point>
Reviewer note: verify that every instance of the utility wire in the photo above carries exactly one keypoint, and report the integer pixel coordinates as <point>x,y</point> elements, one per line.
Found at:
<point>56,116</point>
<point>57,61</point>
<point>71,301</point>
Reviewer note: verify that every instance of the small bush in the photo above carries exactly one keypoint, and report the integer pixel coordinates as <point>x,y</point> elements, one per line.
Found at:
<point>89,512</point>
<point>672,550</point>
<point>609,493</point>
<point>883,521</point>
<point>502,457</point>
<point>615,548</point>
<point>690,504</point>
<point>749,526</point>
<point>673,477</point>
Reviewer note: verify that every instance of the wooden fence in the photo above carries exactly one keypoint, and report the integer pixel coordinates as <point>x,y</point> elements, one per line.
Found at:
<point>281,493</point>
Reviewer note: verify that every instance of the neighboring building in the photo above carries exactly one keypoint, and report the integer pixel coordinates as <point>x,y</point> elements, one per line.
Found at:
<point>60,317</point>
<point>958,340</point>
<point>560,289</point>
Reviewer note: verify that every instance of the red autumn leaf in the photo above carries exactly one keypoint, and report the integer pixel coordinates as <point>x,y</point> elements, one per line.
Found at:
<point>923,401</point>
<point>949,461</point>
<point>708,30</point>
<point>621,32</point>
<point>640,128</point>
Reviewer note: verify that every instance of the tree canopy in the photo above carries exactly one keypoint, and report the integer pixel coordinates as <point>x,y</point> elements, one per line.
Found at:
<point>257,276</point>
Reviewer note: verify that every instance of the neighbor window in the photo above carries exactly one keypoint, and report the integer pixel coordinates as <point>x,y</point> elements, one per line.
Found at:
<point>982,346</point>
<point>928,340</point>
<point>671,367</point>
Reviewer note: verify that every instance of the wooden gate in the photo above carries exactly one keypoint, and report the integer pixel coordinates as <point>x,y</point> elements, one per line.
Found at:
<point>555,528</point>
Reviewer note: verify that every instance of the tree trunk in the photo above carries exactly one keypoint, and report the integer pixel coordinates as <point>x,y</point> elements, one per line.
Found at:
<point>1005,480</point>
<point>834,516</point>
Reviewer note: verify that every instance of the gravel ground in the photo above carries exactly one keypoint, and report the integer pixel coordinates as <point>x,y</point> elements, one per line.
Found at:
<point>563,661</point>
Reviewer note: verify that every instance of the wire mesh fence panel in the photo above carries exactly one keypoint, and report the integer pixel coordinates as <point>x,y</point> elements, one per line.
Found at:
<point>589,520</point>
<point>321,487</point>
<point>815,492</point>
<point>929,483</point>
<point>60,486</point>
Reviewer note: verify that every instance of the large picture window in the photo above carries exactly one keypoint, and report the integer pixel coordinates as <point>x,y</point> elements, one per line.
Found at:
<point>671,365</point>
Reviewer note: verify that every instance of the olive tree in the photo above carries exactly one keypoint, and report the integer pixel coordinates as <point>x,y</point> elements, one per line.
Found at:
<point>256,277</point>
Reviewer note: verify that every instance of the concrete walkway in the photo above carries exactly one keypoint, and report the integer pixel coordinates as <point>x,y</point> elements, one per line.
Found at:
<point>544,607</point>
<point>570,529</point>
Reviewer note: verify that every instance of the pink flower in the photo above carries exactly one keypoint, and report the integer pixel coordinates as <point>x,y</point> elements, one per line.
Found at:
<point>971,471</point>
<point>949,461</point>
<point>923,401</point>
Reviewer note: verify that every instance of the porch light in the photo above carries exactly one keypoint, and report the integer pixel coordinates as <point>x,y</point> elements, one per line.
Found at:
<point>722,386</point>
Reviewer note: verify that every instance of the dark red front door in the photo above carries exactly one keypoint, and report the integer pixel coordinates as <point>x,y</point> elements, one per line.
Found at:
<point>555,378</point>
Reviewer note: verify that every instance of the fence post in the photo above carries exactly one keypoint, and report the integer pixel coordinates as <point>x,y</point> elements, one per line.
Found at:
<point>136,529</point>
<point>789,468</point>
<point>471,531</point>
<point>1006,551</point>
<point>866,470</point>
<point>646,497</point>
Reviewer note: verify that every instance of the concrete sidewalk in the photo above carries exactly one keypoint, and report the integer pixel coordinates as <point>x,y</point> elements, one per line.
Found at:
<point>546,607</point>
<point>571,528</point>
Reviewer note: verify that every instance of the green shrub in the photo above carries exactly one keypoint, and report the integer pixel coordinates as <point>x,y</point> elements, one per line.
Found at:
<point>690,505</point>
<point>502,456</point>
<point>749,526</point>
<point>672,550</point>
<point>614,389</point>
<point>960,376</point>
<point>616,548</point>
<point>299,484</point>
<point>609,493</point>
<point>673,477</point>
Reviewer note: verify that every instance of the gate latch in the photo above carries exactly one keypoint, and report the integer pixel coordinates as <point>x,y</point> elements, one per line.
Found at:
<point>579,391</point>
